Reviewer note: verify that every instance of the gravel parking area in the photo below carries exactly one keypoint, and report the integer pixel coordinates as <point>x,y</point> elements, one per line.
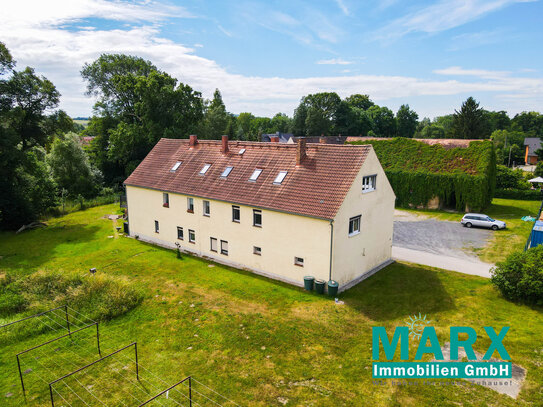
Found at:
<point>440,237</point>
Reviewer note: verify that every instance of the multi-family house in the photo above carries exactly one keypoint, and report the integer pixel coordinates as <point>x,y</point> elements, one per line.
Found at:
<point>281,210</point>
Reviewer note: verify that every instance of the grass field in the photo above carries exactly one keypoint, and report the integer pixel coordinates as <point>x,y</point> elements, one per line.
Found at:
<point>254,340</point>
<point>504,242</point>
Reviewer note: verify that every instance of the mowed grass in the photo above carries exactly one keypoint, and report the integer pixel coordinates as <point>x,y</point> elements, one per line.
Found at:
<point>254,340</point>
<point>503,242</point>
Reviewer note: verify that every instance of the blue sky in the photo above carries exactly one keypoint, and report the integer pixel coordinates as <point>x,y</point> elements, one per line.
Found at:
<point>265,55</point>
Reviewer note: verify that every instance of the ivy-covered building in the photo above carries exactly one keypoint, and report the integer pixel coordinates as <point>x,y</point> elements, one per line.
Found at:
<point>438,176</point>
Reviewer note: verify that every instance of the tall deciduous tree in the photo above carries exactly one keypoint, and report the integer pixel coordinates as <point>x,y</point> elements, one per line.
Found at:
<point>407,121</point>
<point>384,123</point>
<point>470,121</point>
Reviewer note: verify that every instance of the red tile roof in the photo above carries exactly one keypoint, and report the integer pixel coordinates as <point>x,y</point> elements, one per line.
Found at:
<point>316,188</point>
<point>447,143</point>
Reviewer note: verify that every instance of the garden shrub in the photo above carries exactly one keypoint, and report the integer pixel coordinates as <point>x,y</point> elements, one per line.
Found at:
<point>521,194</point>
<point>460,177</point>
<point>520,276</point>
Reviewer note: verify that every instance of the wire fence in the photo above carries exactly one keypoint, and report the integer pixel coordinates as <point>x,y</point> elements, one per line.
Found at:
<point>69,346</point>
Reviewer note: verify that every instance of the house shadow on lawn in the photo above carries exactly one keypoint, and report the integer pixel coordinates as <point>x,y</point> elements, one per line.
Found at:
<point>398,291</point>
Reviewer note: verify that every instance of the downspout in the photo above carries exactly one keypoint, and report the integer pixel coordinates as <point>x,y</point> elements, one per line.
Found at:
<point>331,246</point>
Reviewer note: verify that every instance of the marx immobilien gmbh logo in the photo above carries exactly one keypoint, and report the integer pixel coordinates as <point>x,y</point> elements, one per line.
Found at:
<point>429,344</point>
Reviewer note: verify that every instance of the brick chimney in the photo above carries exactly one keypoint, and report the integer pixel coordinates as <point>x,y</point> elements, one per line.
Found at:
<point>224,145</point>
<point>300,151</point>
<point>322,139</point>
<point>274,139</point>
<point>193,140</point>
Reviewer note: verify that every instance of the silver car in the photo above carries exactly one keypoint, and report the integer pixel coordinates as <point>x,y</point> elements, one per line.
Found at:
<point>481,220</point>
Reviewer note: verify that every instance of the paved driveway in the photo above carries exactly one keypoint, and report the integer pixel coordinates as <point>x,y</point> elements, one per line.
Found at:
<point>442,244</point>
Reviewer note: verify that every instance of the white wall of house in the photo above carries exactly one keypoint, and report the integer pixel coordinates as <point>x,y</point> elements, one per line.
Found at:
<point>282,236</point>
<point>357,254</point>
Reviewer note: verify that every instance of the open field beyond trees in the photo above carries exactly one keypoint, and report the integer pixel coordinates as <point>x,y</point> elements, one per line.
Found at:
<point>254,340</point>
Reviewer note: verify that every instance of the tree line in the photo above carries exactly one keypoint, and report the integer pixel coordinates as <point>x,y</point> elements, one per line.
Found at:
<point>43,161</point>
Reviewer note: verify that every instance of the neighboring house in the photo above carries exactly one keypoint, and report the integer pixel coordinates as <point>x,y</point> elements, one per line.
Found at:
<point>532,145</point>
<point>277,137</point>
<point>321,139</point>
<point>281,210</point>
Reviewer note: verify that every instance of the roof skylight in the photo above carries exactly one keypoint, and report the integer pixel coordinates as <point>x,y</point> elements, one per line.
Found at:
<point>241,151</point>
<point>176,166</point>
<point>280,177</point>
<point>226,172</point>
<point>255,175</point>
<point>204,169</point>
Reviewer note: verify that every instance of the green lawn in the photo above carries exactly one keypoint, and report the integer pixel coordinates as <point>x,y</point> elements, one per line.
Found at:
<point>504,242</point>
<point>252,339</point>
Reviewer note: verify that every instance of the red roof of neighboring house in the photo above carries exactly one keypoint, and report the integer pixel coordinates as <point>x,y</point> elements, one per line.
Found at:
<point>315,188</point>
<point>86,140</point>
<point>447,143</point>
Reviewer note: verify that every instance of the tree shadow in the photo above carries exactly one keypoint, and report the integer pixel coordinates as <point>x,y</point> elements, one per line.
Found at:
<point>33,248</point>
<point>398,291</point>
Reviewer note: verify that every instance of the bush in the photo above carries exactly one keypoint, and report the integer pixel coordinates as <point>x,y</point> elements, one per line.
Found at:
<point>506,178</point>
<point>520,277</point>
<point>524,195</point>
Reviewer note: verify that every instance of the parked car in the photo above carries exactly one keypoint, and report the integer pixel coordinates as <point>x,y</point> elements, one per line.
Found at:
<point>481,220</point>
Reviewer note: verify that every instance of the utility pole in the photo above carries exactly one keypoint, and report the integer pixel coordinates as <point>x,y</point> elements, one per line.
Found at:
<point>509,161</point>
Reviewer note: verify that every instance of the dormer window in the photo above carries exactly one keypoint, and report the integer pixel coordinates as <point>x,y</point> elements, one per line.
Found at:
<point>204,169</point>
<point>176,166</point>
<point>280,177</point>
<point>255,175</point>
<point>226,172</point>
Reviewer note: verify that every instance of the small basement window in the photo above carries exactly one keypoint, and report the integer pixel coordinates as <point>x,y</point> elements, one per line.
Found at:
<point>204,169</point>
<point>192,236</point>
<point>224,247</point>
<point>255,175</point>
<point>190,205</point>
<point>298,261</point>
<point>176,166</point>
<point>257,217</point>
<point>354,225</point>
<point>280,177</point>
<point>206,208</point>
<point>369,183</point>
<point>180,233</point>
<point>235,213</point>
<point>156,226</point>
<point>165,200</point>
<point>257,250</point>
<point>226,172</point>
<point>213,244</point>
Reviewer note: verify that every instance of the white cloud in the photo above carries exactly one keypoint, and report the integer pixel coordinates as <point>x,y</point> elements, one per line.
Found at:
<point>224,31</point>
<point>334,61</point>
<point>441,16</point>
<point>59,54</point>
<point>343,7</point>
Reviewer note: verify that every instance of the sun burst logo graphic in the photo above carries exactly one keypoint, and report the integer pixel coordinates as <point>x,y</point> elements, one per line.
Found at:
<point>416,325</point>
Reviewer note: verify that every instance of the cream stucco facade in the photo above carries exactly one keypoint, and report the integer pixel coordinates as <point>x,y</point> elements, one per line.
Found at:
<point>282,236</point>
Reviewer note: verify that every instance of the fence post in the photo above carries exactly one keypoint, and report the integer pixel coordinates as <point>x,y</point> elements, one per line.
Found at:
<point>98,339</point>
<point>51,393</point>
<point>67,321</point>
<point>137,368</point>
<point>21,376</point>
<point>190,391</point>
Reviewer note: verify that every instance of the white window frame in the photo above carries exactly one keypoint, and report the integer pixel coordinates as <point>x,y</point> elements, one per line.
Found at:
<point>227,171</point>
<point>369,183</point>
<point>165,200</point>
<point>256,173</point>
<point>280,177</point>
<point>238,220</point>
<point>298,261</point>
<point>205,168</point>
<point>257,250</point>
<point>223,250</point>
<point>206,205</point>
<point>190,204</point>
<point>180,229</point>
<point>192,236</point>
<point>213,242</point>
<point>353,219</point>
<point>255,212</point>
<point>176,166</point>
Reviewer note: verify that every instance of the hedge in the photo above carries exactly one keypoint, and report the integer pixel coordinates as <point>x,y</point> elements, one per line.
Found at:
<point>522,194</point>
<point>462,178</point>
